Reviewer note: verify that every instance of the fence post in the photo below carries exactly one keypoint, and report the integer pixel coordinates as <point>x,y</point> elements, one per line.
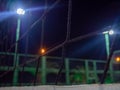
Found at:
<point>87,70</point>
<point>67,71</point>
<point>95,71</point>
<point>111,70</point>
<point>43,68</point>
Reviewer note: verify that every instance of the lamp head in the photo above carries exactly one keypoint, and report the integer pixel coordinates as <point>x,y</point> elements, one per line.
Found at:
<point>111,32</point>
<point>20,11</point>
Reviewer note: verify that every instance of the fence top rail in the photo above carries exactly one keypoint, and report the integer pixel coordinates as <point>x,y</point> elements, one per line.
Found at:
<point>53,57</point>
<point>76,59</point>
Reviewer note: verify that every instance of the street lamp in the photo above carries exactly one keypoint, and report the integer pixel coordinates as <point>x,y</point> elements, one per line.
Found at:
<point>117,59</point>
<point>111,32</point>
<point>19,11</point>
<point>42,51</point>
<point>107,42</point>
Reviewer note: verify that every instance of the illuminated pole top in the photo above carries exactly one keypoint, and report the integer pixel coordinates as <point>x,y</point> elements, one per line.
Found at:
<point>20,11</point>
<point>110,32</point>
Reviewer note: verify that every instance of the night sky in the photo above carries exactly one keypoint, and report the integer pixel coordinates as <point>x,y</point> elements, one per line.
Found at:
<point>87,16</point>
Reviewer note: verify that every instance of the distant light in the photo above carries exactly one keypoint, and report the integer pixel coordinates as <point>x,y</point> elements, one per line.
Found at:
<point>117,59</point>
<point>111,32</point>
<point>20,11</point>
<point>42,51</point>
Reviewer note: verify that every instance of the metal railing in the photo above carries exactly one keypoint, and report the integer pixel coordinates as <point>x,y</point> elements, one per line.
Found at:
<point>75,71</point>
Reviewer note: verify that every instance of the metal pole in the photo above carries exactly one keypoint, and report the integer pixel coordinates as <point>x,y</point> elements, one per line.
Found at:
<point>107,44</point>
<point>108,53</point>
<point>16,62</point>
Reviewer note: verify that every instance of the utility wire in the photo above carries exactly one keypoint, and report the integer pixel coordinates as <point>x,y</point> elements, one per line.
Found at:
<point>42,39</point>
<point>53,49</point>
<point>84,36</point>
<point>26,51</point>
<point>67,38</point>
<point>48,10</point>
<point>49,51</point>
<point>43,15</point>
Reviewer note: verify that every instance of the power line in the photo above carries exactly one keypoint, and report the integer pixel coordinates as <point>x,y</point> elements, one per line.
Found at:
<point>48,10</point>
<point>43,15</point>
<point>67,38</point>
<point>30,28</point>
<point>51,50</point>
<point>41,46</point>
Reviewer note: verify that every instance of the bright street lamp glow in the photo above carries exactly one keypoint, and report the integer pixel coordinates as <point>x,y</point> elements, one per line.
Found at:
<point>42,50</point>
<point>117,59</point>
<point>20,11</point>
<point>111,32</point>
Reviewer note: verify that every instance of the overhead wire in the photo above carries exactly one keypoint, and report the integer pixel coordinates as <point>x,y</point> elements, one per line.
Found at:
<point>62,45</point>
<point>51,50</point>
<point>67,38</point>
<point>25,58</point>
<point>30,28</point>
<point>41,42</point>
<point>47,52</point>
<point>83,36</point>
<point>48,10</point>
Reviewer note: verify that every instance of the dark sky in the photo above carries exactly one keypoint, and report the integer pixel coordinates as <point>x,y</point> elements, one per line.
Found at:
<point>87,16</point>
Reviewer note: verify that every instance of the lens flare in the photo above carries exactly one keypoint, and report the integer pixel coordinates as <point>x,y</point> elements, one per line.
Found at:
<point>20,11</point>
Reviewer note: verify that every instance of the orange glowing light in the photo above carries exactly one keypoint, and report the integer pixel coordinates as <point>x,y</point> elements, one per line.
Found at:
<point>117,59</point>
<point>42,51</point>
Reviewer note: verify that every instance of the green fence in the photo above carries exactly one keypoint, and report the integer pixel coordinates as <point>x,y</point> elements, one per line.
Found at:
<point>75,71</point>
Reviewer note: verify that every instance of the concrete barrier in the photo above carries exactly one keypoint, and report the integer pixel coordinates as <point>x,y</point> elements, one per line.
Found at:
<point>72,87</point>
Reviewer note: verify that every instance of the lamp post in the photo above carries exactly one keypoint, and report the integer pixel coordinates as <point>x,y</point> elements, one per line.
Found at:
<point>19,11</point>
<point>107,33</point>
<point>107,41</point>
